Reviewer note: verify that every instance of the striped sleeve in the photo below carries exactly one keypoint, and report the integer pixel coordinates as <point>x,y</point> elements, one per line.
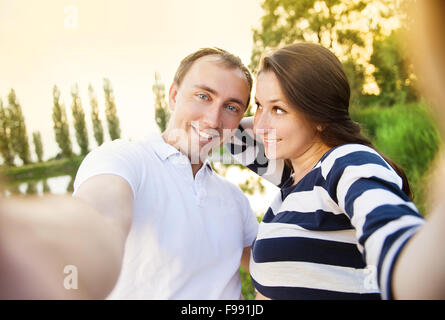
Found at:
<point>370,192</point>
<point>250,153</point>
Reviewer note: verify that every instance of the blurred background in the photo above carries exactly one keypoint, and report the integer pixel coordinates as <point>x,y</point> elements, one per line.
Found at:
<point>75,74</point>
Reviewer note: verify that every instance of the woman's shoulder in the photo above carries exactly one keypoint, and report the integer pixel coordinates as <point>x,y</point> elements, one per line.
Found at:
<point>347,150</point>
<point>358,155</point>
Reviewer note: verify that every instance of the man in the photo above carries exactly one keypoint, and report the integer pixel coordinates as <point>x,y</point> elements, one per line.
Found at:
<point>185,228</point>
<point>151,215</point>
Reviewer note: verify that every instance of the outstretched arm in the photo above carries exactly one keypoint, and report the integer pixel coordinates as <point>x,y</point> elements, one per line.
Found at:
<point>40,237</point>
<point>419,271</point>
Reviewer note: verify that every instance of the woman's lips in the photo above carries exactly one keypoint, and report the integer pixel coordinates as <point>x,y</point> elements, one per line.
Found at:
<point>271,141</point>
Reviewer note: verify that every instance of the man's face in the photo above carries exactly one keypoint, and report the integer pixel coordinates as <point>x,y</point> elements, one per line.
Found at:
<point>207,107</point>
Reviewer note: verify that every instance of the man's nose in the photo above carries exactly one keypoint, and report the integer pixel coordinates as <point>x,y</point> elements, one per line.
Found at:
<point>212,116</point>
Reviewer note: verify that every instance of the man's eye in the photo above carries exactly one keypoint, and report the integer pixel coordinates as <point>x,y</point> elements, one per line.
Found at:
<point>202,96</point>
<point>232,108</point>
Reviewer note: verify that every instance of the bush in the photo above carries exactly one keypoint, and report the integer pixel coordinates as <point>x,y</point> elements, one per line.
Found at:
<point>406,134</point>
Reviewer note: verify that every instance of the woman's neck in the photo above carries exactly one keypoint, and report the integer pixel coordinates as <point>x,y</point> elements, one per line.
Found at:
<point>303,164</point>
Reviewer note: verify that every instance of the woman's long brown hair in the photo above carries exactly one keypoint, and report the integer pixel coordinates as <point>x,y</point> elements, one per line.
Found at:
<point>313,80</point>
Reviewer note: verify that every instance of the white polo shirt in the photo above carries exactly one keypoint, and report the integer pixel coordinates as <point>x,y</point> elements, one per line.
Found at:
<point>187,234</point>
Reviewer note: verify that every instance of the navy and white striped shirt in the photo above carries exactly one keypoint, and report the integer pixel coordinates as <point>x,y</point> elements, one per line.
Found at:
<point>336,233</point>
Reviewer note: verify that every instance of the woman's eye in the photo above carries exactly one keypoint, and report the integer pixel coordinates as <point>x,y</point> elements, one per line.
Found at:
<point>202,96</point>
<point>258,106</point>
<point>278,110</point>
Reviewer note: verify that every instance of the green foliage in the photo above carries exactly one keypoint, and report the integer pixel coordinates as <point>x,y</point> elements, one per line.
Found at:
<point>162,114</point>
<point>335,25</point>
<point>38,147</point>
<point>328,22</point>
<point>249,112</point>
<point>97,123</point>
<point>19,137</point>
<point>79,121</point>
<point>5,137</point>
<point>392,73</point>
<point>252,185</point>
<point>408,135</point>
<point>247,288</point>
<point>111,111</point>
<point>61,127</point>
<point>356,76</point>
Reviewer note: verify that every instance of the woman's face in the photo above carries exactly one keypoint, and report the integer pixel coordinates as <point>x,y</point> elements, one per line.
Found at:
<point>285,132</point>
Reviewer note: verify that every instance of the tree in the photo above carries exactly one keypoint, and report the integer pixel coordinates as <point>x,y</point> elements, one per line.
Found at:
<point>252,185</point>
<point>61,127</point>
<point>344,27</point>
<point>162,114</point>
<point>38,147</point>
<point>97,123</point>
<point>392,72</point>
<point>5,137</point>
<point>19,137</point>
<point>79,121</point>
<point>111,112</point>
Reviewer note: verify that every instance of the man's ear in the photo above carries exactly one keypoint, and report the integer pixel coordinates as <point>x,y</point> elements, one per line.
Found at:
<point>172,96</point>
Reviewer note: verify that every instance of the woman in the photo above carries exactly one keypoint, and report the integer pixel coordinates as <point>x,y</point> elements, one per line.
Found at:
<point>344,211</point>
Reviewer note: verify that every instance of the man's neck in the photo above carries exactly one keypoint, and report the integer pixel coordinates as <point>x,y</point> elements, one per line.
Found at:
<point>195,167</point>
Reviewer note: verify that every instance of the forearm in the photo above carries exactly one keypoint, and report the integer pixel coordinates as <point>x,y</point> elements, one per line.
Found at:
<point>41,236</point>
<point>245,258</point>
<point>419,272</point>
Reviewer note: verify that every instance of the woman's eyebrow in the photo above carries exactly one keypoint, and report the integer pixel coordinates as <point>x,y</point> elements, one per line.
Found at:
<point>274,100</point>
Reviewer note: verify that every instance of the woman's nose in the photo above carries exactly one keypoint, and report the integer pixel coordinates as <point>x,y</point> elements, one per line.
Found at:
<point>260,122</point>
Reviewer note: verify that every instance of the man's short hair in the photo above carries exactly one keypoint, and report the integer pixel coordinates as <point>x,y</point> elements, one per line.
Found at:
<point>227,58</point>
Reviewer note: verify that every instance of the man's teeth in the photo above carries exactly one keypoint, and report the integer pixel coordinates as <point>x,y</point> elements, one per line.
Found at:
<point>204,135</point>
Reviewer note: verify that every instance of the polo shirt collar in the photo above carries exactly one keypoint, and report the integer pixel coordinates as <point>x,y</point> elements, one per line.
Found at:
<point>162,148</point>
<point>165,150</point>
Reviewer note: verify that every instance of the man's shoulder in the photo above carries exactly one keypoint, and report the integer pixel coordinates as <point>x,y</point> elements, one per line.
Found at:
<point>229,186</point>
<point>125,148</point>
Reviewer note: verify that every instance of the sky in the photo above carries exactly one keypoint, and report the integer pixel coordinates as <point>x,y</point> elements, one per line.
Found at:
<point>58,42</point>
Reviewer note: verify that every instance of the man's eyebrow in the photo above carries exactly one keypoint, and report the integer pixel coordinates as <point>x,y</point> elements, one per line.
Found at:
<point>206,88</point>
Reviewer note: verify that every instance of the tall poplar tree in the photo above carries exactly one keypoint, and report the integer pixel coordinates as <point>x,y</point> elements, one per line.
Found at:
<point>38,147</point>
<point>162,114</point>
<point>79,121</point>
<point>97,123</point>
<point>5,137</point>
<point>111,111</point>
<point>19,137</point>
<point>61,126</point>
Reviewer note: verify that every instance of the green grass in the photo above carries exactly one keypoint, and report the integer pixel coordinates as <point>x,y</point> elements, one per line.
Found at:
<point>247,288</point>
<point>42,170</point>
